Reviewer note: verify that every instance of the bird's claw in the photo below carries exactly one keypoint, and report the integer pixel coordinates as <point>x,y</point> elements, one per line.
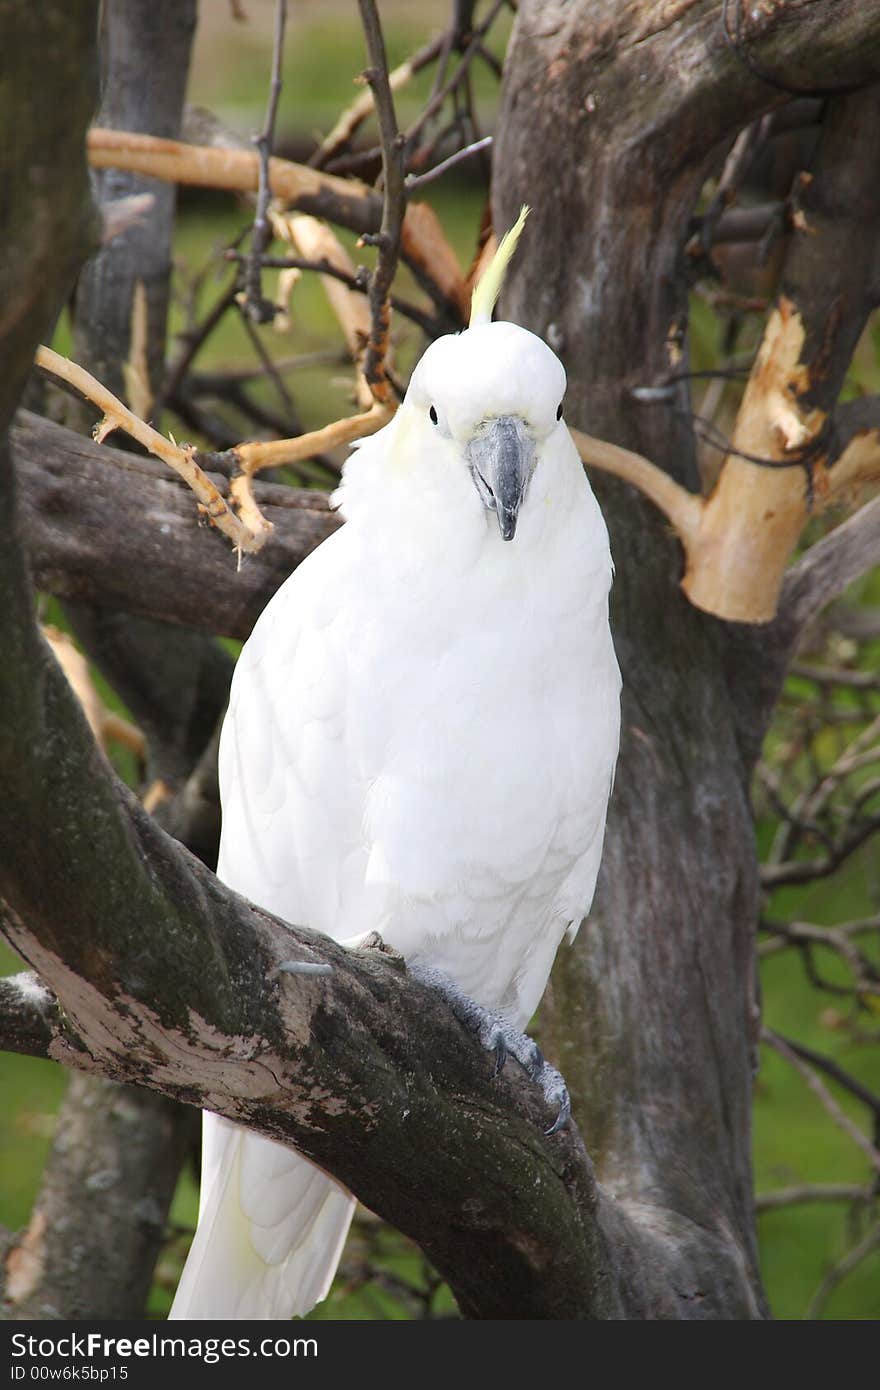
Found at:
<point>495,1043</point>
<point>556,1093</point>
<point>497,1035</point>
<point>533,1062</point>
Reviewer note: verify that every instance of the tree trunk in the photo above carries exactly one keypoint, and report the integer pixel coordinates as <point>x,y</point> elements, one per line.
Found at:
<point>118,1151</point>
<point>653,1015</point>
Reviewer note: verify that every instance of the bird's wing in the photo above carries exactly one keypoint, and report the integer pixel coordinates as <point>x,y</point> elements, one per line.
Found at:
<point>271,1224</point>
<point>290,788</point>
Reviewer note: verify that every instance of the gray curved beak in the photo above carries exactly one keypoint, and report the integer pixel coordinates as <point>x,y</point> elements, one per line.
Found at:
<point>501,456</point>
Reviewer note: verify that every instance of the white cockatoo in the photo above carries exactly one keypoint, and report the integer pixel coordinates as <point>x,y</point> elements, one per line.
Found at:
<point>421,741</point>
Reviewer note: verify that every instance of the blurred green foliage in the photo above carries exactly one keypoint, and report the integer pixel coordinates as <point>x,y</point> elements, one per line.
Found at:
<point>795,1142</point>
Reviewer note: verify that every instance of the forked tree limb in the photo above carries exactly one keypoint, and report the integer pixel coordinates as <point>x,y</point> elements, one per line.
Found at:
<point>244,524</point>
<point>116,416</point>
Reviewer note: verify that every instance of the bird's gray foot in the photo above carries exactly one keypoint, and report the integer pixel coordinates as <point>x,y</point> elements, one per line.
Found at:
<point>498,1035</point>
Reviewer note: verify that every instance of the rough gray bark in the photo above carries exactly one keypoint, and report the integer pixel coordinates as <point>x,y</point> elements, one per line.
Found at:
<point>163,562</point>
<point>653,1016</point>
<point>144,67</point>
<point>90,1246</point>
<point>125,1143</point>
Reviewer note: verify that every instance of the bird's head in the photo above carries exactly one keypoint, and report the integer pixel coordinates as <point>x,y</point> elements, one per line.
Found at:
<point>486,401</point>
<point>481,420</point>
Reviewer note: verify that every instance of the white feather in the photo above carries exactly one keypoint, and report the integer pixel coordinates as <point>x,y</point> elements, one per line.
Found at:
<point>420,741</point>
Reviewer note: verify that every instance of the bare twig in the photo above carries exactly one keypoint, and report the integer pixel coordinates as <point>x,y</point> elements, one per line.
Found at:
<point>424,245</point>
<point>255,306</point>
<point>393,205</point>
<point>355,280</point>
<point>836,675</point>
<point>736,167</point>
<point>853,1258</point>
<point>293,425</point>
<point>221,378</point>
<point>192,341</point>
<point>120,214</point>
<point>812,1192</point>
<point>256,456</point>
<point>414,181</point>
<point>793,871</point>
<point>270,453</point>
<point>362,107</point>
<point>444,89</point>
<point>805,937</point>
<point>246,536</point>
<point>315,239</point>
<point>790,1054</point>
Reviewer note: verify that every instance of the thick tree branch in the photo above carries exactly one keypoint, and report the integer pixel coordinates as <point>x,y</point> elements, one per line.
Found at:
<point>30,1019</point>
<point>825,571</point>
<point>183,459</point>
<point>163,563</point>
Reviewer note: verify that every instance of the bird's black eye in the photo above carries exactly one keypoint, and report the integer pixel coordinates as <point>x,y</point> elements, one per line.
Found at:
<point>559,411</point>
<point>433,414</point>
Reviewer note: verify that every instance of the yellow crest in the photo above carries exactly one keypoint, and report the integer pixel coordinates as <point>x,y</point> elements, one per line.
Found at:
<point>486,292</point>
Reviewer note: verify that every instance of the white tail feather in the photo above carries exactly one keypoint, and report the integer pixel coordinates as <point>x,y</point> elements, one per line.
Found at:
<point>271,1230</point>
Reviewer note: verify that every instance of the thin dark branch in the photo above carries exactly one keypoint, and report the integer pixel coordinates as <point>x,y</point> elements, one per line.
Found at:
<point>793,871</point>
<point>805,938</point>
<point>836,676</point>
<point>393,205</point>
<point>329,148</point>
<point>414,181</point>
<point>793,1054</point>
<point>218,432</point>
<point>293,424</point>
<point>844,1267</point>
<point>219,378</point>
<point>444,89</point>
<point>256,307</point>
<point>736,167</point>
<point>194,339</point>
<point>812,1192</point>
<point>432,325</point>
<point>837,1073</point>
